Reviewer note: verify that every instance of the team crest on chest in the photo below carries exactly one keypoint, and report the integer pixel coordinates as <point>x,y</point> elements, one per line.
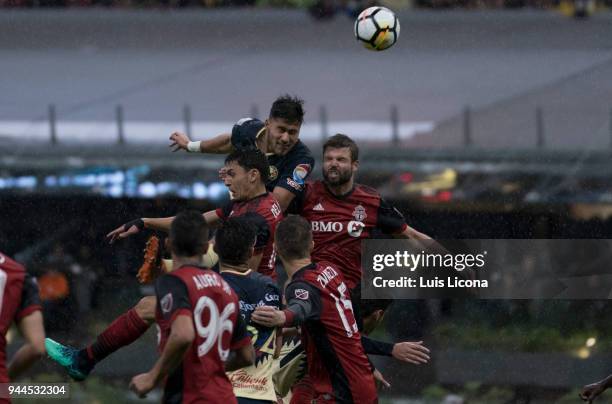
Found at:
<point>273,173</point>
<point>359,213</point>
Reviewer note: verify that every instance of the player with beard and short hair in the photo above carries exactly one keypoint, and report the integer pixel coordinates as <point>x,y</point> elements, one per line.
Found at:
<point>246,175</point>
<point>202,333</point>
<point>317,300</point>
<point>291,162</point>
<point>342,213</point>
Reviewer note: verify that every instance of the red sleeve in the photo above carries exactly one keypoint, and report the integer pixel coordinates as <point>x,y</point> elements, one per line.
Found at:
<point>389,219</point>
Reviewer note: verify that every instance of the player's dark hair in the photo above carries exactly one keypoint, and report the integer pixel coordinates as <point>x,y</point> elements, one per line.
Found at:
<point>293,238</point>
<point>288,108</point>
<point>234,240</point>
<point>369,306</point>
<point>188,234</point>
<point>339,141</point>
<point>251,159</point>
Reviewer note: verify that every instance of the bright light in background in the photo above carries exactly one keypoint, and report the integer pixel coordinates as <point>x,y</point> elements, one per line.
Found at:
<point>584,353</point>
<point>591,342</point>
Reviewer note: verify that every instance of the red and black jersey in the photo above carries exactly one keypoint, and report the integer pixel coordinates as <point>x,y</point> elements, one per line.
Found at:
<point>208,299</point>
<point>339,223</point>
<point>18,297</point>
<point>319,301</point>
<point>265,213</point>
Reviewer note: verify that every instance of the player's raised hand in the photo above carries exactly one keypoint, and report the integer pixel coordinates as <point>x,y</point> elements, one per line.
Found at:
<point>591,391</point>
<point>268,316</point>
<point>126,230</point>
<point>142,384</point>
<point>411,352</point>
<point>179,141</point>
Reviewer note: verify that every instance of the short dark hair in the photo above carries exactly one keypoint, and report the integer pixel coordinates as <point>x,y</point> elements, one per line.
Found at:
<point>234,240</point>
<point>188,234</point>
<point>368,306</point>
<point>293,238</point>
<point>288,108</point>
<point>339,141</point>
<point>251,159</point>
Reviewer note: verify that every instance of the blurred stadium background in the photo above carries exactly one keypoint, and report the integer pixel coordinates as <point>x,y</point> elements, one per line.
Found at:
<point>488,119</point>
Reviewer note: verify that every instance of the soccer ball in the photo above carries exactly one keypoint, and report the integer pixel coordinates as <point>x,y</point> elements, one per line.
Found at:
<point>377,28</point>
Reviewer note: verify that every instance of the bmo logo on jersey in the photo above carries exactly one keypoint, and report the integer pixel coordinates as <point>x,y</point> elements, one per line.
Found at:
<point>327,227</point>
<point>353,228</point>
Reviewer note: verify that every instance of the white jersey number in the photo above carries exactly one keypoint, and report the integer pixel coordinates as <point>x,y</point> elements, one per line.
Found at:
<point>218,324</point>
<point>345,306</point>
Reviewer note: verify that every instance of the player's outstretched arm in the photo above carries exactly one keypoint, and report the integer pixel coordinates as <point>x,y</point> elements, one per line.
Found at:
<point>591,391</point>
<point>31,327</point>
<point>135,226</point>
<point>220,144</point>
<point>181,336</point>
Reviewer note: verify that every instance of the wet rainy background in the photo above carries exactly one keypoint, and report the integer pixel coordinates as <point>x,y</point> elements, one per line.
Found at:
<point>481,122</point>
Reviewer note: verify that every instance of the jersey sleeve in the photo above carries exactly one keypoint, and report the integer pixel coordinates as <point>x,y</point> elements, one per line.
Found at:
<point>30,300</point>
<point>245,132</point>
<point>297,204</point>
<point>240,336</point>
<point>303,303</point>
<point>172,297</point>
<point>224,211</point>
<point>389,219</point>
<point>294,175</point>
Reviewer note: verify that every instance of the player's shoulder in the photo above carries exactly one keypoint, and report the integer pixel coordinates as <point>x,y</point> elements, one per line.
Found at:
<point>301,152</point>
<point>245,131</point>
<point>365,190</point>
<point>10,265</point>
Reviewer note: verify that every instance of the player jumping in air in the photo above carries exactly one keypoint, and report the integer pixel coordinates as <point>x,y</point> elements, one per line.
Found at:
<point>202,333</point>
<point>318,300</point>
<point>278,137</point>
<point>246,174</point>
<point>19,303</point>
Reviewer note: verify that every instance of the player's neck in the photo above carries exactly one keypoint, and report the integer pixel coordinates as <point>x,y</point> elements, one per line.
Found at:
<point>223,267</point>
<point>342,189</point>
<point>194,261</point>
<point>258,190</point>
<point>291,267</point>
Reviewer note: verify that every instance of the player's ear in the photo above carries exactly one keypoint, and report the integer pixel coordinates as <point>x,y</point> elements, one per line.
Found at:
<point>311,246</point>
<point>355,165</point>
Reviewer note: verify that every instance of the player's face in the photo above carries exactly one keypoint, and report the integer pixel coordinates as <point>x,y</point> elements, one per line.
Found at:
<point>239,181</point>
<point>282,136</point>
<point>338,167</point>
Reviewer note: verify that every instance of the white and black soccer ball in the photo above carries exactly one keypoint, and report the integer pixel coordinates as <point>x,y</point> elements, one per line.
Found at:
<point>377,28</point>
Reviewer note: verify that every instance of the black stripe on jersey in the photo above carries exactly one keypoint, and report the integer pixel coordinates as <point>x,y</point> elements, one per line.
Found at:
<point>173,391</point>
<point>337,375</point>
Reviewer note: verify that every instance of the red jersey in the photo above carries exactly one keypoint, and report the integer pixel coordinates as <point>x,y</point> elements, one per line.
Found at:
<point>204,296</point>
<point>18,298</point>
<point>265,213</point>
<point>337,363</point>
<point>339,223</point>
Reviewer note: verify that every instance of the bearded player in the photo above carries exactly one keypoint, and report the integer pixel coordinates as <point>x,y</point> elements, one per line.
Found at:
<point>246,176</point>
<point>278,138</point>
